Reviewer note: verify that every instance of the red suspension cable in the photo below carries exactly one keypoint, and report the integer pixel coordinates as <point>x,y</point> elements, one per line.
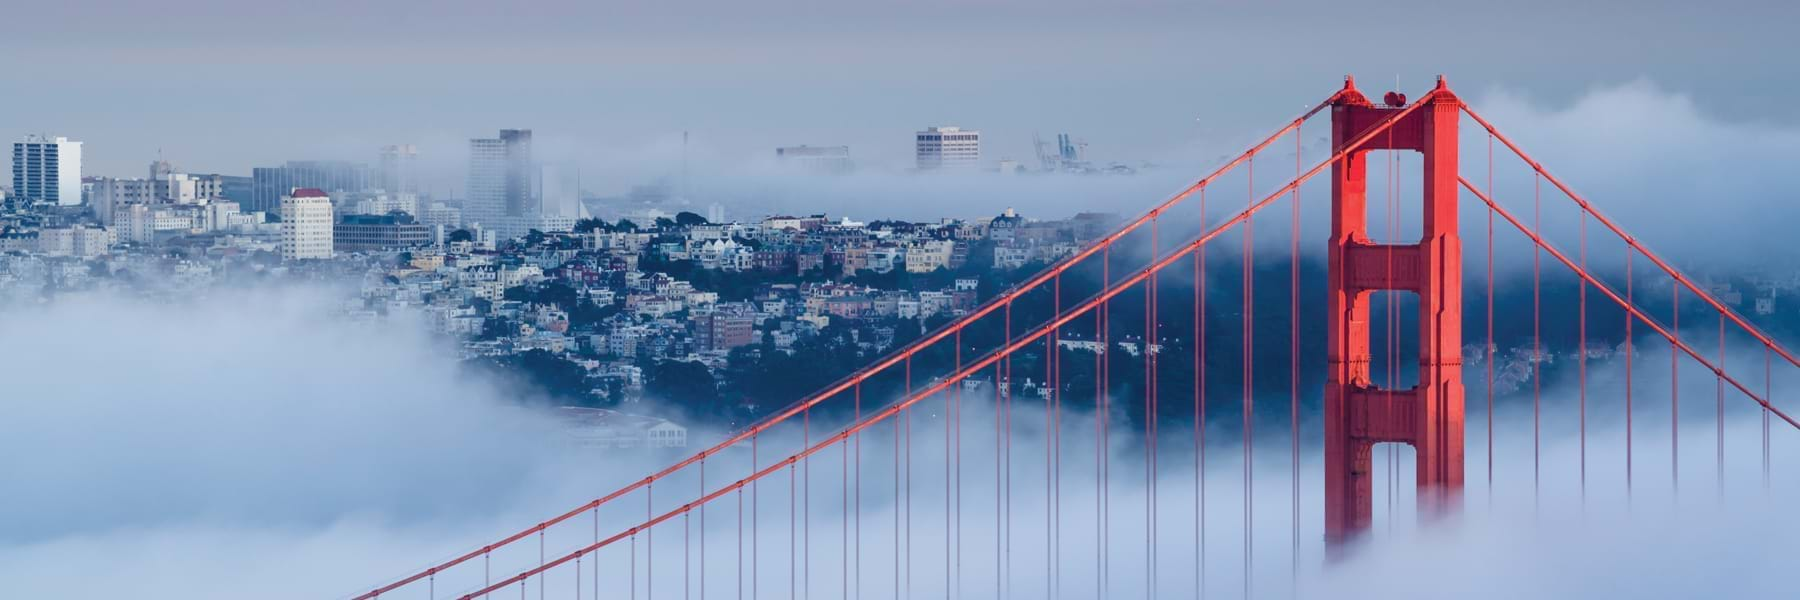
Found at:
<point>736,489</point>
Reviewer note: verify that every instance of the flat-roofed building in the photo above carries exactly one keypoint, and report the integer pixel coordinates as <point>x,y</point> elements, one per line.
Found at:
<point>358,233</point>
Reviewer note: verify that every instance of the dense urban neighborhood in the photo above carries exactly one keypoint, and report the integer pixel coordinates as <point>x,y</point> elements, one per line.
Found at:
<point>636,314</point>
<point>724,320</point>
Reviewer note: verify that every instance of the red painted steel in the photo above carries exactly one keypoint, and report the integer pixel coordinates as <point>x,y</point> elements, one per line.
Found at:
<point>1047,275</point>
<point>1043,331</point>
<point>1358,414</point>
<point>1637,314</point>
<point>1633,243</point>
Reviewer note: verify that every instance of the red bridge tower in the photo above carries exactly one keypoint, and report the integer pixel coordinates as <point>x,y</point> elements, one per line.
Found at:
<point>1358,415</point>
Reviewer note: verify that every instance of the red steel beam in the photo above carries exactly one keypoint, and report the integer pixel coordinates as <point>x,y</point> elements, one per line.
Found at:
<point>865,373</point>
<point>1632,241</point>
<point>988,360</point>
<point>1614,296</point>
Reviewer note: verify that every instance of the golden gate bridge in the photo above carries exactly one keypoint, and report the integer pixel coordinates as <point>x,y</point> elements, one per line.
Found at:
<point>798,494</point>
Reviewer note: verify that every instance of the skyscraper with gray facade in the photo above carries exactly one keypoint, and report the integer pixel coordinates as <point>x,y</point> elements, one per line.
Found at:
<point>501,174</point>
<point>269,184</point>
<point>399,170</point>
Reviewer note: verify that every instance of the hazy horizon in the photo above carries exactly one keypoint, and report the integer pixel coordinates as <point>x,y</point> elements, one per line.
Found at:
<point>223,87</point>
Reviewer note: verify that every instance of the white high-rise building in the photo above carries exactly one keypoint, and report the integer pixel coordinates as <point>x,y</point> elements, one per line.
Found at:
<point>947,148</point>
<point>47,169</point>
<point>306,225</point>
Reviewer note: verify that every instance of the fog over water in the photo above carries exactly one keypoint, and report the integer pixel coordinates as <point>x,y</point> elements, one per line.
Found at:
<point>251,446</point>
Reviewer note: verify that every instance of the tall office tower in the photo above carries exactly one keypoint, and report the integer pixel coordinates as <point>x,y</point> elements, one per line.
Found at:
<point>269,184</point>
<point>46,169</point>
<point>559,190</point>
<point>947,148</point>
<point>834,160</point>
<point>306,225</point>
<point>399,169</point>
<point>500,179</point>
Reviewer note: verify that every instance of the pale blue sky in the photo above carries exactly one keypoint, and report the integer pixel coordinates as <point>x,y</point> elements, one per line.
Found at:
<point>222,86</point>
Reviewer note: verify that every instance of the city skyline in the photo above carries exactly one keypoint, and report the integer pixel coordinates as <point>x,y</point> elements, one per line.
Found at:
<point>1065,67</point>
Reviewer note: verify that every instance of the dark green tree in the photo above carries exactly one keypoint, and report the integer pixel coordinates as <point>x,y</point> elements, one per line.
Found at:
<point>686,384</point>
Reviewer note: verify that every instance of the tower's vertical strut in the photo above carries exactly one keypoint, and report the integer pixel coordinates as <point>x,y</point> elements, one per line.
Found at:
<point>1358,415</point>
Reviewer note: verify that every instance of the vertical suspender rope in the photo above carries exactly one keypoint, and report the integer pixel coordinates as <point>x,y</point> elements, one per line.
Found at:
<point>1294,374</point>
<point>1200,409</point>
<point>1490,349</point>
<point>1536,347</point>
<point>1675,393</point>
<point>1628,368</point>
<point>1248,311</point>
<point>1581,359</point>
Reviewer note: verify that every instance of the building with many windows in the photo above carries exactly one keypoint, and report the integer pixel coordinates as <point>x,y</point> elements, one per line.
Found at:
<point>78,241</point>
<point>306,225</point>
<point>355,233</point>
<point>269,185</point>
<point>947,148</point>
<point>46,169</point>
<point>501,177</point>
<point>832,160</point>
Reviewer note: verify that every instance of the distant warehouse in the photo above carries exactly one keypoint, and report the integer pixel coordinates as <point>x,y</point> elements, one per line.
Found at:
<point>357,233</point>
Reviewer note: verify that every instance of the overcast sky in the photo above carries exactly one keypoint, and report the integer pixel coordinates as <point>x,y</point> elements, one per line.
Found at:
<point>222,86</point>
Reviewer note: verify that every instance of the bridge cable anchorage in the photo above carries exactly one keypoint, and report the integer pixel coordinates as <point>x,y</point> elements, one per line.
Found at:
<point>1114,288</point>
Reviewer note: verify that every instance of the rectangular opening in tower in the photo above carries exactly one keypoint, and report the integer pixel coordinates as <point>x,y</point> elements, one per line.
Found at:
<point>1394,339</point>
<point>1393,478</point>
<point>1395,197</point>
